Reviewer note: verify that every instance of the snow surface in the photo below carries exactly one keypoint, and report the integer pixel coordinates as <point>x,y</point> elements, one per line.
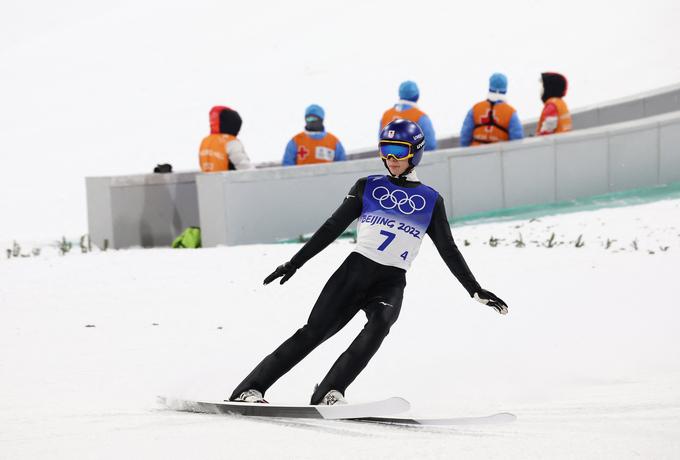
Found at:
<point>107,88</point>
<point>588,357</point>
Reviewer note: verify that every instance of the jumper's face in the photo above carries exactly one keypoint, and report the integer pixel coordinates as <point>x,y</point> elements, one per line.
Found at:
<point>397,167</point>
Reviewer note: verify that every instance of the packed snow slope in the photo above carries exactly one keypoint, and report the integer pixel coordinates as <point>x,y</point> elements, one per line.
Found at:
<point>587,358</point>
<point>109,88</point>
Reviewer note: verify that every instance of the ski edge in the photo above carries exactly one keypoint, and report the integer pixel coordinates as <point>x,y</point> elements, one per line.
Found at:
<point>389,406</point>
<point>379,408</point>
<point>501,417</point>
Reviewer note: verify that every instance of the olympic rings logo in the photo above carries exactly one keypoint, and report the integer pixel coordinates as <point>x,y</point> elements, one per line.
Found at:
<point>399,199</point>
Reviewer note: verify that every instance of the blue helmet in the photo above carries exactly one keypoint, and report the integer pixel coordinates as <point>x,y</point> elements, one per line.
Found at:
<point>498,83</point>
<point>408,91</point>
<point>402,139</point>
<point>315,110</point>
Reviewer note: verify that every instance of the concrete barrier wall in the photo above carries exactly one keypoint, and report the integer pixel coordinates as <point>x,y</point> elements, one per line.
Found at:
<point>145,210</point>
<point>149,210</point>
<point>269,205</point>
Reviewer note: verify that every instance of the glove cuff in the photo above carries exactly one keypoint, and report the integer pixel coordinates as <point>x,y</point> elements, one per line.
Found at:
<point>475,290</point>
<point>293,264</point>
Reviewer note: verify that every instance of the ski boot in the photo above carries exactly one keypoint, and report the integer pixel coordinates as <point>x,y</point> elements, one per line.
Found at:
<point>251,396</point>
<point>332,398</point>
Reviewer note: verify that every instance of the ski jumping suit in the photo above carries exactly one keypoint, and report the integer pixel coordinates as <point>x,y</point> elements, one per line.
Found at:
<point>394,215</point>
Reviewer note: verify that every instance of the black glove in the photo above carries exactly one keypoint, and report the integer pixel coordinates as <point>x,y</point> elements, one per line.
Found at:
<point>490,299</point>
<point>286,270</point>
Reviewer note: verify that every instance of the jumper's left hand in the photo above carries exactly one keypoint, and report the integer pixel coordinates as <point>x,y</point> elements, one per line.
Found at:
<point>492,300</point>
<point>286,271</point>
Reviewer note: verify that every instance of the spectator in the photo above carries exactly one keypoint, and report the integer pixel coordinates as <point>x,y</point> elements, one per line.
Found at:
<point>406,108</point>
<point>555,117</point>
<point>492,120</point>
<point>221,150</point>
<point>314,144</point>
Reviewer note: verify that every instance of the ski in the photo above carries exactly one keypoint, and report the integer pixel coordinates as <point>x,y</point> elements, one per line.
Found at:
<point>502,417</point>
<point>337,412</point>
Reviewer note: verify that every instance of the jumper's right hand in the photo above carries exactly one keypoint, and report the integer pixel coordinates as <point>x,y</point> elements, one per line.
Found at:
<point>490,299</point>
<point>286,270</point>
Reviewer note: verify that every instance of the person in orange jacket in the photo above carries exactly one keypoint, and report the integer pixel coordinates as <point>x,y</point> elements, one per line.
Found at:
<point>314,144</point>
<point>493,119</point>
<point>221,150</point>
<point>555,117</point>
<point>407,108</point>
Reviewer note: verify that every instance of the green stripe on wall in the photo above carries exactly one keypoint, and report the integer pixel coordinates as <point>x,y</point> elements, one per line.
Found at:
<point>608,200</point>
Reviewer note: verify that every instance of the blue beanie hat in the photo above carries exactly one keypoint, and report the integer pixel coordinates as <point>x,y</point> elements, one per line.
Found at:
<point>498,83</point>
<point>315,110</point>
<point>408,91</point>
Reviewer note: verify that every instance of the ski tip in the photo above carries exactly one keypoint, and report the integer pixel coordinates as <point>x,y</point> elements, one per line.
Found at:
<point>403,403</point>
<point>504,417</point>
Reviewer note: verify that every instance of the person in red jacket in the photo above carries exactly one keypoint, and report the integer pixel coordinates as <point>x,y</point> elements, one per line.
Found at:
<point>221,150</point>
<point>555,117</point>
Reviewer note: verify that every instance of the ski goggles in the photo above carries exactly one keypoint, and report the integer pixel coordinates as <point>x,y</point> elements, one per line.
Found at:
<point>398,150</point>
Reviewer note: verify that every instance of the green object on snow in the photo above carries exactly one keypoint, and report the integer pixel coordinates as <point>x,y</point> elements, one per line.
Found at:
<point>189,238</point>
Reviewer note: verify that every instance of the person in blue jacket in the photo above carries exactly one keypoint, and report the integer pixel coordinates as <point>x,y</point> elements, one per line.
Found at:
<point>493,119</point>
<point>407,109</point>
<point>314,144</point>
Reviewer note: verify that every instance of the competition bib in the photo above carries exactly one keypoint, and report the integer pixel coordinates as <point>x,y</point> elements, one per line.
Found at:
<point>394,221</point>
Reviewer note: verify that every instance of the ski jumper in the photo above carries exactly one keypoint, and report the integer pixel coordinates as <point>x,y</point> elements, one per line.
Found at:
<point>394,216</point>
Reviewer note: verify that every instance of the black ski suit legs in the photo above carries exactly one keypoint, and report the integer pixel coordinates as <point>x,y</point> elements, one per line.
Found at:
<point>358,284</point>
<point>356,357</point>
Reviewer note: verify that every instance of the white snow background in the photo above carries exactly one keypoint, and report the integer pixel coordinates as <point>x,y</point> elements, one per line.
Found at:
<point>93,88</point>
<point>588,358</point>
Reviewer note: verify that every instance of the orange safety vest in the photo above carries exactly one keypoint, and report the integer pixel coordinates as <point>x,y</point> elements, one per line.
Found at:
<point>413,114</point>
<point>213,154</point>
<point>311,151</point>
<point>563,116</point>
<point>492,120</point>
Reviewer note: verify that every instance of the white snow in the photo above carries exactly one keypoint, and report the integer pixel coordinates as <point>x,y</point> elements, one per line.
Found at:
<point>108,88</point>
<point>588,357</point>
